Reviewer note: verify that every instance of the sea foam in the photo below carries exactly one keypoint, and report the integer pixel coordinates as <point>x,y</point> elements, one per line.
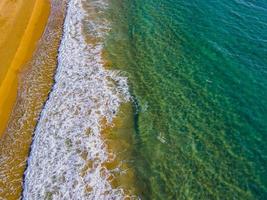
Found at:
<point>67,154</point>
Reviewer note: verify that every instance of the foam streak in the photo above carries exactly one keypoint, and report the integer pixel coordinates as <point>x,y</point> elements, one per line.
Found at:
<point>66,161</point>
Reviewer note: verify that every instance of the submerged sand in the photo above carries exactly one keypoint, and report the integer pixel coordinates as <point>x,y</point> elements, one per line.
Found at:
<point>21,25</point>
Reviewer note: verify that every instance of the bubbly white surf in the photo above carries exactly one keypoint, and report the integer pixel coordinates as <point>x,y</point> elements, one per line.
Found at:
<point>67,155</point>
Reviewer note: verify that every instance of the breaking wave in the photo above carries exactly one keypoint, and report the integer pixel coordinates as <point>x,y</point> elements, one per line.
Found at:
<point>67,154</point>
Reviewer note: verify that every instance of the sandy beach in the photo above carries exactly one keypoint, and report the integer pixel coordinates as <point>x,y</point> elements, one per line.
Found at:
<point>34,79</point>
<point>21,25</point>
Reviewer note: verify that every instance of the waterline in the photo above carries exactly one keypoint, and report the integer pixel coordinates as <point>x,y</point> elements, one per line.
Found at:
<point>68,153</point>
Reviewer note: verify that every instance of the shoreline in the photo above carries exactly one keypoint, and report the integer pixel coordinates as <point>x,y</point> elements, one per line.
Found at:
<point>34,84</point>
<point>64,10</point>
<point>24,51</point>
<point>84,93</point>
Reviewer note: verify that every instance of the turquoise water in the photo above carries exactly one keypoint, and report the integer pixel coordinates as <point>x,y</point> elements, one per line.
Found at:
<point>198,73</point>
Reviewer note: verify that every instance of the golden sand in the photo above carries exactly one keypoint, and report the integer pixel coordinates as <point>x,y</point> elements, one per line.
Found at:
<point>21,25</point>
<point>34,83</point>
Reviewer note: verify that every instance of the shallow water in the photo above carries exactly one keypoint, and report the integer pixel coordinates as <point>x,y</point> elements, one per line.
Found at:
<point>198,73</point>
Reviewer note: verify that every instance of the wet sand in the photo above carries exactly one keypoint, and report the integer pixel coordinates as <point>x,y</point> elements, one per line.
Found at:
<point>21,26</point>
<point>33,83</point>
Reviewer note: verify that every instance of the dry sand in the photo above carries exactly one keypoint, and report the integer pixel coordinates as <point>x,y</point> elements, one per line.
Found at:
<point>21,26</point>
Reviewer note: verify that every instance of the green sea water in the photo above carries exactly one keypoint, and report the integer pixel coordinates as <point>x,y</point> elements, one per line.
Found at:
<point>197,71</point>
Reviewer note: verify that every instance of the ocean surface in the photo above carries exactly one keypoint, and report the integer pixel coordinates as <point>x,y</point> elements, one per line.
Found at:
<point>197,71</point>
<point>155,100</point>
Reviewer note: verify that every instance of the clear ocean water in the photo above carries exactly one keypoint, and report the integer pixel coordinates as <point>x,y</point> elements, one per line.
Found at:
<point>198,73</point>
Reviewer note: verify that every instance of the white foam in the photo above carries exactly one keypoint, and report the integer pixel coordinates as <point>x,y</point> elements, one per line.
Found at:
<point>67,136</point>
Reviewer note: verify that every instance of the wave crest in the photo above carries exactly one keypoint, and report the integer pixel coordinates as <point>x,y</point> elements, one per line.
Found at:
<point>67,155</point>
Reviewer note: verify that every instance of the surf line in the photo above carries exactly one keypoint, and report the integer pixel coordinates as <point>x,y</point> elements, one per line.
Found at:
<point>67,153</point>
<point>48,97</point>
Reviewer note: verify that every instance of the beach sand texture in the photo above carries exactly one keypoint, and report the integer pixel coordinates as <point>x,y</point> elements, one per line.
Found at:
<point>28,49</point>
<point>21,25</point>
